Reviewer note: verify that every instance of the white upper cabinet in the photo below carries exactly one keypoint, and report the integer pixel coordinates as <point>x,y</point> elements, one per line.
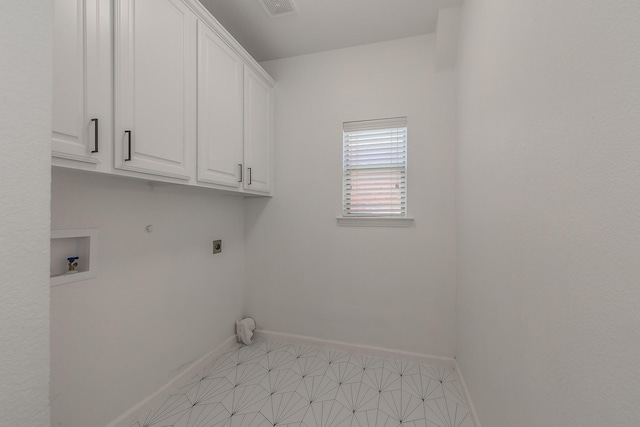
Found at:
<point>159,89</point>
<point>81,128</point>
<point>155,87</point>
<point>220,111</point>
<point>234,118</point>
<point>257,132</point>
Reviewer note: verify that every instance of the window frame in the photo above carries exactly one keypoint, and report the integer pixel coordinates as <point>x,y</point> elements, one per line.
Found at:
<point>376,218</point>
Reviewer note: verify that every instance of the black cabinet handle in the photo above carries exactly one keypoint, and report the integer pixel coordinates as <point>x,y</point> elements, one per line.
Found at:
<point>249,183</point>
<point>240,167</point>
<point>128,158</point>
<point>95,133</point>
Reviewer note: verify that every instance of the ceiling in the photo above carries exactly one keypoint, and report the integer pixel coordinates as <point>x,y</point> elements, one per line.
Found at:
<point>324,24</point>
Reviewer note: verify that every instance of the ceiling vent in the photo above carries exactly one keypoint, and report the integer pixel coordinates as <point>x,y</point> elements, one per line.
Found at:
<point>279,7</point>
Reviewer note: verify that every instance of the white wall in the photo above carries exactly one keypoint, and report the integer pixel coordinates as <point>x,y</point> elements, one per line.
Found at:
<point>386,287</point>
<point>161,300</point>
<point>25,129</point>
<point>548,212</point>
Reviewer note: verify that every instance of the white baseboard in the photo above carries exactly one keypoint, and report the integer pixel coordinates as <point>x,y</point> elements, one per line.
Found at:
<point>384,353</point>
<point>156,399</point>
<point>467,397</point>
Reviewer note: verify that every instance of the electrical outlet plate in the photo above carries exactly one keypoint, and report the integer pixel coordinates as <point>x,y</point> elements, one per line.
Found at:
<point>217,246</point>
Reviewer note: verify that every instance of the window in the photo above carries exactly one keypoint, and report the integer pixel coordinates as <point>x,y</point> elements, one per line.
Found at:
<point>375,168</point>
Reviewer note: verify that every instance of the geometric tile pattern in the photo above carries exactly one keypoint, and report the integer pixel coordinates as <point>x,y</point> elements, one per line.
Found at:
<point>272,383</point>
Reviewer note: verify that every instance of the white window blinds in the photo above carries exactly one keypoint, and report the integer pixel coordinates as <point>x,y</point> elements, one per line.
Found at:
<point>375,168</point>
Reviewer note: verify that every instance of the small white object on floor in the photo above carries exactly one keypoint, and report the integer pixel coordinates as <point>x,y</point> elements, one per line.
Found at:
<point>244,329</point>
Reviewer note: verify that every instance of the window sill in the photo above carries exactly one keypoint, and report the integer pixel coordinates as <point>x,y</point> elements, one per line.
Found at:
<point>362,221</point>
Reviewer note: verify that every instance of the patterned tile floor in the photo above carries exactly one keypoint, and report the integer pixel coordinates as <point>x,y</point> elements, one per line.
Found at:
<point>277,384</point>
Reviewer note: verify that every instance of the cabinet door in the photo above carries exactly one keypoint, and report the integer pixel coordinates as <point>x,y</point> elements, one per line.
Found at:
<point>220,110</point>
<point>257,132</point>
<point>155,92</point>
<point>81,122</point>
